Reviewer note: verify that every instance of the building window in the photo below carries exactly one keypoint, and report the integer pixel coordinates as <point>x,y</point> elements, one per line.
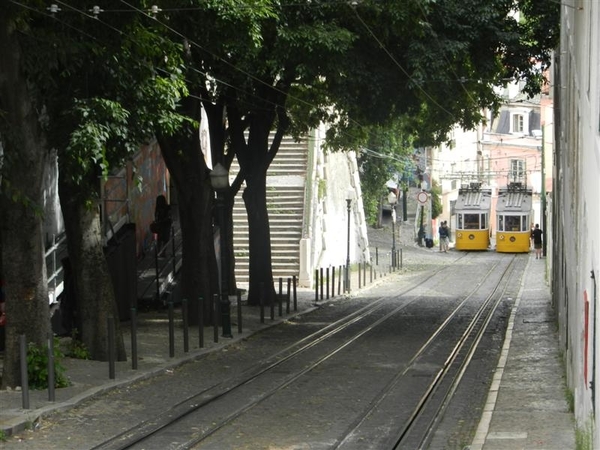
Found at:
<point>518,123</point>
<point>517,170</point>
<point>453,185</point>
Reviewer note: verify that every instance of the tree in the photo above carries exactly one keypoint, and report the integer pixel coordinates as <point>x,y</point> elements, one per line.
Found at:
<point>96,97</point>
<point>25,156</point>
<point>435,64</point>
<point>384,156</point>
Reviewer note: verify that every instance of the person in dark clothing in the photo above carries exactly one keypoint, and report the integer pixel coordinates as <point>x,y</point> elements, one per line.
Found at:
<point>162,221</point>
<point>536,234</point>
<point>444,237</point>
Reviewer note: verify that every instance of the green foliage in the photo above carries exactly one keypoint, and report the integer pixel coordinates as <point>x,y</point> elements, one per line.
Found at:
<point>3,436</point>
<point>37,366</point>
<point>385,155</point>
<point>436,202</point>
<point>77,349</point>
<point>584,436</point>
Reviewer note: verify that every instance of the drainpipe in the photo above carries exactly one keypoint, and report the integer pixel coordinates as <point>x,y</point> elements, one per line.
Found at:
<point>544,236</point>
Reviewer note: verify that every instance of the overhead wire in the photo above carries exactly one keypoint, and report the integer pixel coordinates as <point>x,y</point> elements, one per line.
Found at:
<point>194,43</point>
<point>52,16</point>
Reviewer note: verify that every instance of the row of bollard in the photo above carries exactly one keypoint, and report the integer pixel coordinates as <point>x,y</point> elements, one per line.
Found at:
<point>291,288</point>
<point>291,293</point>
<point>325,278</point>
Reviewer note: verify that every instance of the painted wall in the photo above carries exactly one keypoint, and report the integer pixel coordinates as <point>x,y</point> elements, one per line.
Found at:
<point>130,195</point>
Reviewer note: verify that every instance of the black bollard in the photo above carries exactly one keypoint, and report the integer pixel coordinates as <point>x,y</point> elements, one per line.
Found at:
<point>200,322</point>
<point>173,250</point>
<point>186,335</point>
<point>239,310</point>
<point>272,305</point>
<point>333,282</point>
<point>287,297</point>
<point>321,281</point>
<point>51,383</point>
<point>171,331</point>
<point>134,358</point>
<point>24,375</point>
<point>262,303</point>
<point>295,293</point>
<point>215,317</point>
<point>280,297</point>
<point>157,271</point>
<point>111,347</point>
<point>316,285</point>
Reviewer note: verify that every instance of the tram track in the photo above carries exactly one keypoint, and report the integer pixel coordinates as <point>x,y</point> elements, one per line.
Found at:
<point>453,370</point>
<point>271,376</point>
<point>358,433</point>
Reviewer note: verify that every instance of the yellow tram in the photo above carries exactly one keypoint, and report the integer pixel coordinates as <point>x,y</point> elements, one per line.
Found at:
<point>513,219</point>
<point>472,211</point>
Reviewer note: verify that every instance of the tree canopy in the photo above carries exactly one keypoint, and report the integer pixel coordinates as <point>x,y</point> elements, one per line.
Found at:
<point>92,84</point>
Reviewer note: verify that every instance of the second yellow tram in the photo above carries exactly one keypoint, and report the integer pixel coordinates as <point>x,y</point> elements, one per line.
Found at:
<point>472,211</point>
<point>513,219</point>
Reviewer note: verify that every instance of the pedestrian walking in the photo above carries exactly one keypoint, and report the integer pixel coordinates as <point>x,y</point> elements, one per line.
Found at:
<point>162,222</point>
<point>537,241</point>
<point>444,237</point>
<point>531,236</point>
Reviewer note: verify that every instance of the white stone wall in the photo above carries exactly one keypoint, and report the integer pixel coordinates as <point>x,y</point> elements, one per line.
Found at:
<point>334,179</point>
<point>576,205</point>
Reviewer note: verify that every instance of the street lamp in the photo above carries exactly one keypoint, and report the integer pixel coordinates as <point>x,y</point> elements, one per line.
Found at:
<point>219,179</point>
<point>392,199</point>
<point>349,196</point>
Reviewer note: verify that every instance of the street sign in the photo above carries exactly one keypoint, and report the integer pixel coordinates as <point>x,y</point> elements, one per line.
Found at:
<point>422,197</point>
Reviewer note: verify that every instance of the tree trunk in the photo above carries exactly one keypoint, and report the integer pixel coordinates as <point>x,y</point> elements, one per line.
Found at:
<point>21,236</point>
<point>199,277</point>
<point>95,296</point>
<point>255,157</point>
<point>261,269</point>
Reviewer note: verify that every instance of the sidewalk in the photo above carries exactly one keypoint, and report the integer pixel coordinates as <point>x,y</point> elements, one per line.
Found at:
<point>90,378</point>
<point>527,406</point>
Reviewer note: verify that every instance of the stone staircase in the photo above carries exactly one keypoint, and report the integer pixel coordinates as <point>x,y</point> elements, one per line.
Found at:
<point>286,180</point>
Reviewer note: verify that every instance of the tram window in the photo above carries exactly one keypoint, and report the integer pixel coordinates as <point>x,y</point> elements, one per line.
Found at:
<point>524,222</point>
<point>484,221</point>
<point>501,223</point>
<point>459,222</point>
<point>512,223</point>
<point>471,222</point>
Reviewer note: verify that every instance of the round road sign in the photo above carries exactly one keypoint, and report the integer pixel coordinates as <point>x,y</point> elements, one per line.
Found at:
<point>422,197</point>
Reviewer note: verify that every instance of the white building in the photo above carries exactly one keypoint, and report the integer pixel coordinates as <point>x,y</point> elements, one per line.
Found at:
<point>509,145</point>
<point>576,206</point>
